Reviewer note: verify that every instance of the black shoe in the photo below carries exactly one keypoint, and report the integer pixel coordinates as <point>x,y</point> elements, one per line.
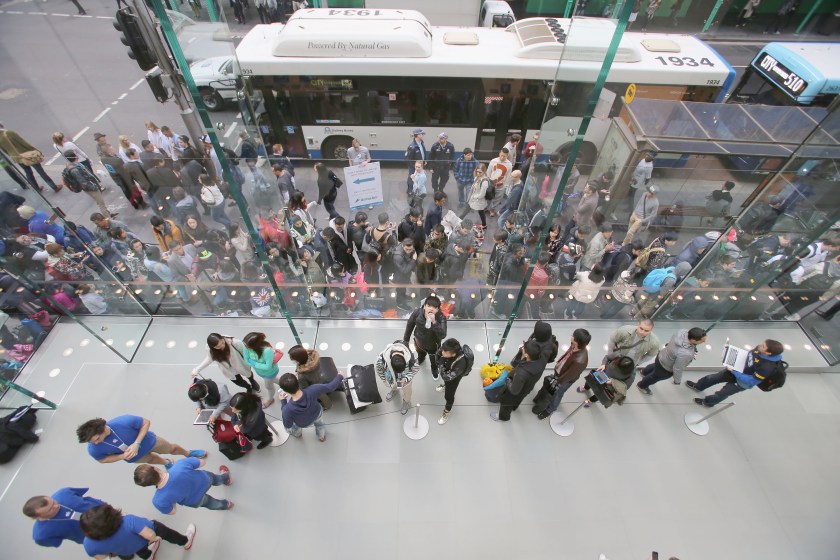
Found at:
<point>693,386</point>
<point>702,402</point>
<point>543,415</point>
<point>421,360</point>
<point>264,444</point>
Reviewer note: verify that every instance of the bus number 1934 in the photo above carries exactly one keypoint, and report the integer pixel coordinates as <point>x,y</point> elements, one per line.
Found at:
<point>684,61</point>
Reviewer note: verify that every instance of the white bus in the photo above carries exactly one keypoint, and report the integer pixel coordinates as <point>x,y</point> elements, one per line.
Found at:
<point>328,76</point>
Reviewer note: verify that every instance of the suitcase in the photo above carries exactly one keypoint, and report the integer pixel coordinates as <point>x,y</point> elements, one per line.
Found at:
<point>232,449</point>
<point>360,387</point>
<point>328,370</point>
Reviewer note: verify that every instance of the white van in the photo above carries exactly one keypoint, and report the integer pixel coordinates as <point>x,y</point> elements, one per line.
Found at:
<point>495,13</point>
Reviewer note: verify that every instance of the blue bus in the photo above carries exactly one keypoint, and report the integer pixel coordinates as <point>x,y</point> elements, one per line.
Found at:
<point>791,74</point>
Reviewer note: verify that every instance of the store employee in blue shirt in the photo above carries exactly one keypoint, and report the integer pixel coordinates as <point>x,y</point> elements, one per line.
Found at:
<point>110,533</point>
<point>57,516</point>
<point>127,438</point>
<point>184,484</point>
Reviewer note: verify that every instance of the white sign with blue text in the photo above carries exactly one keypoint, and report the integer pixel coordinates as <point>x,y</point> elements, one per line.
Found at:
<point>364,185</point>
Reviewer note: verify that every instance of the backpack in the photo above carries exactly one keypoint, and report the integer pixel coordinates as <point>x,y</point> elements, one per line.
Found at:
<point>371,245</point>
<point>87,182</point>
<point>470,358</point>
<point>775,379</point>
<point>645,256</point>
<point>70,182</point>
<point>490,193</point>
<point>653,281</point>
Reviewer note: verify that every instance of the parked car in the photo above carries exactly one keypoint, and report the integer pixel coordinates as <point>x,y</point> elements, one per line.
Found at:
<point>216,79</point>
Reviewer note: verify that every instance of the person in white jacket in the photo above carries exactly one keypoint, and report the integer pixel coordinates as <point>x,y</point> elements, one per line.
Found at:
<point>585,290</point>
<point>228,353</point>
<point>396,366</point>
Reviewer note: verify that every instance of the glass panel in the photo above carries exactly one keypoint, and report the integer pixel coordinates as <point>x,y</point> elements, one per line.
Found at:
<point>449,107</point>
<point>333,107</point>
<point>392,107</point>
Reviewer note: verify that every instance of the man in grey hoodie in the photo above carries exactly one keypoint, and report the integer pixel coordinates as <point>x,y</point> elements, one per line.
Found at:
<point>673,359</point>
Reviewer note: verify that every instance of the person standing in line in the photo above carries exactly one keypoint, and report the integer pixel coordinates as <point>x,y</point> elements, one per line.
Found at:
<point>357,154</point>
<point>249,418</point>
<point>511,205</point>
<point>600,244</point>
<point>116,169</point>
<point>672,360</point>
<point>719,203</point>
<point>301,408</point>
<point>434,216</point>
<point>128,438</point>
<point>418,187</point>
<point>155,136</point>
<point>396,366</point>
<point>283,182</point>
<point>259,354</point>
<point>212,196</point>
<point>169,144</point>
<point>110,533</point>
<point>328,185</point>
<point>126,144</point>
<point>78,179</point>
<point>477,196</point>
<point>62,144</point>
<point>567,370</point>
<point>136,174</point>
<point>464,171</point>
<point>639,342</point>
<point>441,160</point>
<point>416,151</point>
<point>643,214</point>
<point>520,381</point>
<point>454,361</point>
<point>498,171</point>
<point>641,178</point>
<point>747,13</point>
<point>183,484</point>
<point>208,394</point>
<point>27,156</point>
<point>585,290</point>
<point>764,365</point>
<point>57,516</point>
<point>164,181</point>
<point>228,353</point>
<point>428,324</point>
<point>512,145</point>
<point>150,155</point>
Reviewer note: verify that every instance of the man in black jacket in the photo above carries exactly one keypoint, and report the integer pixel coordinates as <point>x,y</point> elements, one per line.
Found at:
<point>441,156</point>
<point>163,179</point>
<point>454,362</point>
<point>357,231</point>
<point>412,227</point>
<point>403,261</point>
<point>520,381</point>
<point>428,324</point>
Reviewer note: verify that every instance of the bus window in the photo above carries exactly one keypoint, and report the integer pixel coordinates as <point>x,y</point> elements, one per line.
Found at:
<point>449,107</point>
<point>392,107</point>
<point>332,107</point>
<point>569,99</point>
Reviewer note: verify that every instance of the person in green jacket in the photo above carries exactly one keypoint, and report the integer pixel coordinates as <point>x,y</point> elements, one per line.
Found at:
<point>259,354</point>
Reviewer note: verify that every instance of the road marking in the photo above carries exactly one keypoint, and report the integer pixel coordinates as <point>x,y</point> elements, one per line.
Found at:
<point>82,16</point>
<point>114,102</point>
<point>52,159</point>
<point>137,83</point>
<point>104,17</point>
<point>85,129</point>
<point>121,97</point>
<point>11,12</point>
<point>231,129</point>
<point>38,13</point>
<point>62,15</point>
<point>102,114</point>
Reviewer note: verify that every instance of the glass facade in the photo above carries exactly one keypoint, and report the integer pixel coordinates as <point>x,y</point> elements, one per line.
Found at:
<point>618,183</point>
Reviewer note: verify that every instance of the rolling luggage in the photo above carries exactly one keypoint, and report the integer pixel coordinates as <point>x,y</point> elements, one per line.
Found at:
<point>360,387</point>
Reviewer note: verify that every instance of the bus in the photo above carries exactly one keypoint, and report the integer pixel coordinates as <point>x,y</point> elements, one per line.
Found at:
<point>329,76</point>
<point>791,74</point>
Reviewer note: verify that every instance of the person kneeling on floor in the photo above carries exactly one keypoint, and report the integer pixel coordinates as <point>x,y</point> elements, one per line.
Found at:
<point>301,408</point>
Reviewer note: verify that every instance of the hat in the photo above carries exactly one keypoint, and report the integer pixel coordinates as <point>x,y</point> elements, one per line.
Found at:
<point>417,131</point>
<point>25,212</point>
<point>653,189</point>
<point>97,136</point>
<point>443,135</point>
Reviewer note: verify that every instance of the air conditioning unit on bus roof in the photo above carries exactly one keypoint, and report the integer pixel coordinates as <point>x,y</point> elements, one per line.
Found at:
<point>585,39</point>
<point>355,33</point>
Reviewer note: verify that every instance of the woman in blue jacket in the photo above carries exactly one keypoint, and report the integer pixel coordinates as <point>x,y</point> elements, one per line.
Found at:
<point>259,354</point>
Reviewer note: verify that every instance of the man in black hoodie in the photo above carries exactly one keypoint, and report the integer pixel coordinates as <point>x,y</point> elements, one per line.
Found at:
<point>520,381</point>
<point>428,324</point>
<point>412,228</point>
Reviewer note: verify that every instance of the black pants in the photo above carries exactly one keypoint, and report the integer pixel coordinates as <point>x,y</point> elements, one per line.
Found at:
<point>439,180</point>
<point>164,533</point>
<point>654,373</point>
<point>481,214</point>
<point>264,436</point>
<point>421,355</point>
<point>31,176</point>
<point>449,392</point>
<point>249,384</point>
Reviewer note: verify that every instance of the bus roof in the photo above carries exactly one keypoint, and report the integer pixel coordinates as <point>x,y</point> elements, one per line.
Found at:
<point>816,63</point>
<point>351,43</point>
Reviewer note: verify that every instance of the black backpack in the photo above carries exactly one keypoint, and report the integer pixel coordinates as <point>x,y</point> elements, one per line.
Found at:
<point>776,379</point>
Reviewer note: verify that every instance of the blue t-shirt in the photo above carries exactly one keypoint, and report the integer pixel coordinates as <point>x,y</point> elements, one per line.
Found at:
<point>125,542</point>
<point>65,523</point>
<point>124,430</point>
<point>186,486</point>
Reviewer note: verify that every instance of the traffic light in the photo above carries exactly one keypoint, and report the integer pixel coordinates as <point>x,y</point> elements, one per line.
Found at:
<point>128,24</point>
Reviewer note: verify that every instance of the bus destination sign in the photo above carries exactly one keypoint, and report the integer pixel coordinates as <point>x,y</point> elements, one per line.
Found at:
<point>792,84</point>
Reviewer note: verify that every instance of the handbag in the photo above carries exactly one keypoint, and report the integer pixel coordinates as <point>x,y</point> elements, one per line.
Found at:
<point>278,355</point>
<point>207,197</point>
<point>32,157</point>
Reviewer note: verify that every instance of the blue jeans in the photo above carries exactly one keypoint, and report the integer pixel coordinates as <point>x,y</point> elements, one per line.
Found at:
<point>320,428</point>
<point>209,501</point>
<point>218,214</point>
<point>723,376</point>
<point>653,373</point>
<point>463,192</point>
<point>329,206</point>
<point>558,396</point>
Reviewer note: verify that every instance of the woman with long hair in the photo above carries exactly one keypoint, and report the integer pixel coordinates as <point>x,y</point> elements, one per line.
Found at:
<point>249,418</point>
<point>259,354</point>
<point>476,198</point>
<point>308,370</point>
<point>585,290</point>
<point>194,230</point>
<point>229,354</point>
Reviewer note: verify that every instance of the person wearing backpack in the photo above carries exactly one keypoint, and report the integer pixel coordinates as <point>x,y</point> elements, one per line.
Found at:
<point>764,369</point>
<point>479,195</point>
<point>78,179</point>
<point>454,361</point>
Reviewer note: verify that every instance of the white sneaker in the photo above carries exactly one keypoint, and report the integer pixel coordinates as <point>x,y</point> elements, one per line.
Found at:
<point>191,530</point>
<point>405,406</point>
<point>153,548</point>
<point>444,417</point>
<point>390,394</point>
<point>440,388</point>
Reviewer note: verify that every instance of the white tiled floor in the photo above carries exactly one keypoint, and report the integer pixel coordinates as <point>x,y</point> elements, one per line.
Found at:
<point>631,479</point>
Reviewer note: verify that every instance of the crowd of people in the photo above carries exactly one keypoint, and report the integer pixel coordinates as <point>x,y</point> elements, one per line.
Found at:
<point>104,530</point>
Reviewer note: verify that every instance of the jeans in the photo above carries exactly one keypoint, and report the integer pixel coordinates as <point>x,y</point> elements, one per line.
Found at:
<point>654,373</point>
<point>218,214</point>
<point>165,533</point>
<point>31,176</point>
<point>610,308</point>
<point>209,501</point>
<point>723,376</point>
<point>575,308</point>
<point>558,396</point>
<point>320,428</point>
<point>449,392</point>
<point>463,191</point>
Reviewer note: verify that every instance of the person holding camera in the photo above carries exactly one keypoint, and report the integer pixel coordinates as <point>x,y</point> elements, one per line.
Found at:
<point>396,366</point>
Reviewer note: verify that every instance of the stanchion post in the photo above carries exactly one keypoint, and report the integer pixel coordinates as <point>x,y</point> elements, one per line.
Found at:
<point>417,427</point>
<point>280,435</point>
<point>697,423</point>
<point>564,427</point>
<point>417,417</point>
<point>721,409</point>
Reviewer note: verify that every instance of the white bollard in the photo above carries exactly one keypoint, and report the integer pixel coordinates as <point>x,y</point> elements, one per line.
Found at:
<point>417,427</point>
<point>563,426</point>
<point>697,423</point>
<point>280,433</point>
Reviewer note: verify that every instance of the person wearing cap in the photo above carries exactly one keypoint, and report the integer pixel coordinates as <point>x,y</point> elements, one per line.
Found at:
<point>416,151</point>
<point>441,157</point>
<point>643,214</point>
<point>14,145</point>
<point>101,141</point>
